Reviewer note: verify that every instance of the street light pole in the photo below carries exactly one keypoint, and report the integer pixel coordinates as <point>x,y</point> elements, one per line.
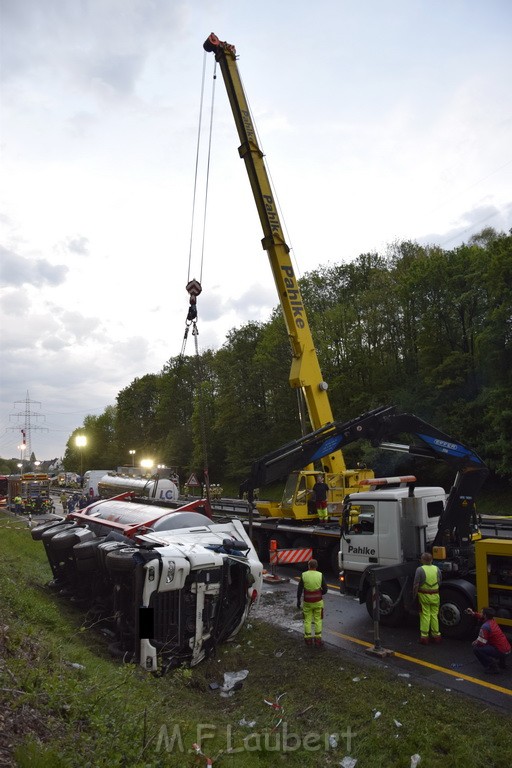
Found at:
<point>132,454</point>
<point>21,449</point>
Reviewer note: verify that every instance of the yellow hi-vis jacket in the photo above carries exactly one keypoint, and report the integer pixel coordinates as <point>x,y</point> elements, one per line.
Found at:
<point>312,586</point>
<point>431,584</point>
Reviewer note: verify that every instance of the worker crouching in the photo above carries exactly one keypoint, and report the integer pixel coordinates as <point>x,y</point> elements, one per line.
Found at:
<point>313,585</point>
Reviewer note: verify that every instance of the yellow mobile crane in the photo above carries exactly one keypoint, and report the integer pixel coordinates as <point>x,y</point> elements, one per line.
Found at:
<point>305,373</point>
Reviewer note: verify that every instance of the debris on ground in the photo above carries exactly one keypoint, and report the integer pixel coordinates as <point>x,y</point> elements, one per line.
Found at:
<point>74,665</point>
<point>247,723</point>
<point>233,681</point>
<point>279,710</point>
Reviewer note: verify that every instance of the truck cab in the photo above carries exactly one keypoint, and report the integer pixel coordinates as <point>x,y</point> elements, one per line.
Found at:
<point>168,585</point>
<point>387,527</point>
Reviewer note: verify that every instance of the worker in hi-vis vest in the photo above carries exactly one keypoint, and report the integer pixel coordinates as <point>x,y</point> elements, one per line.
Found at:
<point>427,580</point>
<point>314,587</point>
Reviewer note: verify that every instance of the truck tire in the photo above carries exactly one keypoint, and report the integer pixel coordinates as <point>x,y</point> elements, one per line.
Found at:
<point>453,619</point>
<point>260,545</point>
<point>389,616</point>
<point>38,530</point>
<point>85,555</point>
<point>121,560</point>
<point>104,549</point>
<point>86,549</point>
<point>47,535</point>
<point>68,539</point>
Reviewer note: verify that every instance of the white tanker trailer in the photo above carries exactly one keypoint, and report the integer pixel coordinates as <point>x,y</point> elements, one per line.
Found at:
<point>161,489</point>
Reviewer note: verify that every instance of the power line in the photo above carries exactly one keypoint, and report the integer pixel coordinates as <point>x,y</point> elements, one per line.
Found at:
<point>28,427</point>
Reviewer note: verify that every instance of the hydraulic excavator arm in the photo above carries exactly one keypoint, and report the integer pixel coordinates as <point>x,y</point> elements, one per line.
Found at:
<point>379,427</point>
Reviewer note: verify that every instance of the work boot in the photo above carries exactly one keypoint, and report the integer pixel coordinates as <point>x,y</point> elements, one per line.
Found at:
<point>493,668</point>
<point>308,640</point>
<point>423,640</point>
<point>435,639</point>
<point>319,642</point>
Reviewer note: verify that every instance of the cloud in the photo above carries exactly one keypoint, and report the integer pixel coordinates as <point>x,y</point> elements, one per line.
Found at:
<point>78,245</point>
<point>92,42</point>
<point>471,223</point>
<point>255,303</point>
<point>18,270</point>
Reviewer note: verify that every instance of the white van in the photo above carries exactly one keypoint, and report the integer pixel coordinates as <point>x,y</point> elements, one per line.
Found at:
<point>91,480</point>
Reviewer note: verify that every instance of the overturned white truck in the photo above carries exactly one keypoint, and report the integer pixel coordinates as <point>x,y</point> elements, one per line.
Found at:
<point>167,585</point>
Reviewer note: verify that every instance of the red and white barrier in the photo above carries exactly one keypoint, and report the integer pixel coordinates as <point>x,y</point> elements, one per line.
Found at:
<point>288,556</point>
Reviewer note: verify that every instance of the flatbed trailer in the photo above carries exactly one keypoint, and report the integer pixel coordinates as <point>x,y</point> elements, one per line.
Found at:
<point>324,540</point>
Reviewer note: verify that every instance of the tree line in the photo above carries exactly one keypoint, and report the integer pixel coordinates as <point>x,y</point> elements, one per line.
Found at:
<point>426,329</point>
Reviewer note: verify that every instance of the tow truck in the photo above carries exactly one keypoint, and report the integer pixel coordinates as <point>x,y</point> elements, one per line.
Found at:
<point>387,526</point>
<point>305,374</point>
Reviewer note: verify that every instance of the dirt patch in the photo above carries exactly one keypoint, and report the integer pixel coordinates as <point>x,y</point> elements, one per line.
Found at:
<point>278,606</point>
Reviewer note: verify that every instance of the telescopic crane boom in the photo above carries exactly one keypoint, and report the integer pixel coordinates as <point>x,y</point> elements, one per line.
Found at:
<point>305,373</point>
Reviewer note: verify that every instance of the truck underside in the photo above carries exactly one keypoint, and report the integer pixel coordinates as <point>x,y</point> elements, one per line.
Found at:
<point>163,597</point>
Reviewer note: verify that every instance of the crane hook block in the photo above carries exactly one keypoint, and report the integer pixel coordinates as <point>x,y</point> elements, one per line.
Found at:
<point>194,288</point>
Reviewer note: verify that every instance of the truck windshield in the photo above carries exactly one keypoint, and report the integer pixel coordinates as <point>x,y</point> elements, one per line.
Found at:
<point>362,518</point>
<point>291,487</point>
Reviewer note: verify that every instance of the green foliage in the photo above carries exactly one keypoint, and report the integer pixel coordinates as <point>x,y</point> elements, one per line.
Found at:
<point>422,328</point>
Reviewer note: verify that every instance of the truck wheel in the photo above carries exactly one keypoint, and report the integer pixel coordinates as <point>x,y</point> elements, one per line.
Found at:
<point>68,539</point>
<point>259,544</point>
<point>121,560</point>
<point>86,549</point>
<point>453,619</point>
<point>104,549</point>
<point>38,530</point>
<point>85,555</point>
<point>389,616</point>
<point>49,533</point>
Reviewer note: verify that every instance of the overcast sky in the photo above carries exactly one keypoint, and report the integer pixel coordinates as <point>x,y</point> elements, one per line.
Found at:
<point>381,121</point>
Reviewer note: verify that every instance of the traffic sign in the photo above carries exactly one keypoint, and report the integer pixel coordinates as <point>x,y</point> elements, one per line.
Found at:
<point>193,482</point>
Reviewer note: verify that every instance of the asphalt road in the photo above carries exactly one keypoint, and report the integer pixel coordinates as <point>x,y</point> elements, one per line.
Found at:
<point>450,665</point>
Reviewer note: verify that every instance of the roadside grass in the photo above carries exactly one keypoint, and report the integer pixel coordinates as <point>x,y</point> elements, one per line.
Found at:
<point>101,713</point>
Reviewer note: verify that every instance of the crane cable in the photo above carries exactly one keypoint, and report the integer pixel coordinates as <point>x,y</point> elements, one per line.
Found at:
<point>194,286</point>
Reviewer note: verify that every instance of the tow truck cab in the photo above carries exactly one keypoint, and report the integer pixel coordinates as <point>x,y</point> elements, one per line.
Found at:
<point>387,527</point>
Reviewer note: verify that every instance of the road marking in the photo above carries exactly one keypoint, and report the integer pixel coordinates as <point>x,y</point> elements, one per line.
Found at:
<point>422,663</point>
